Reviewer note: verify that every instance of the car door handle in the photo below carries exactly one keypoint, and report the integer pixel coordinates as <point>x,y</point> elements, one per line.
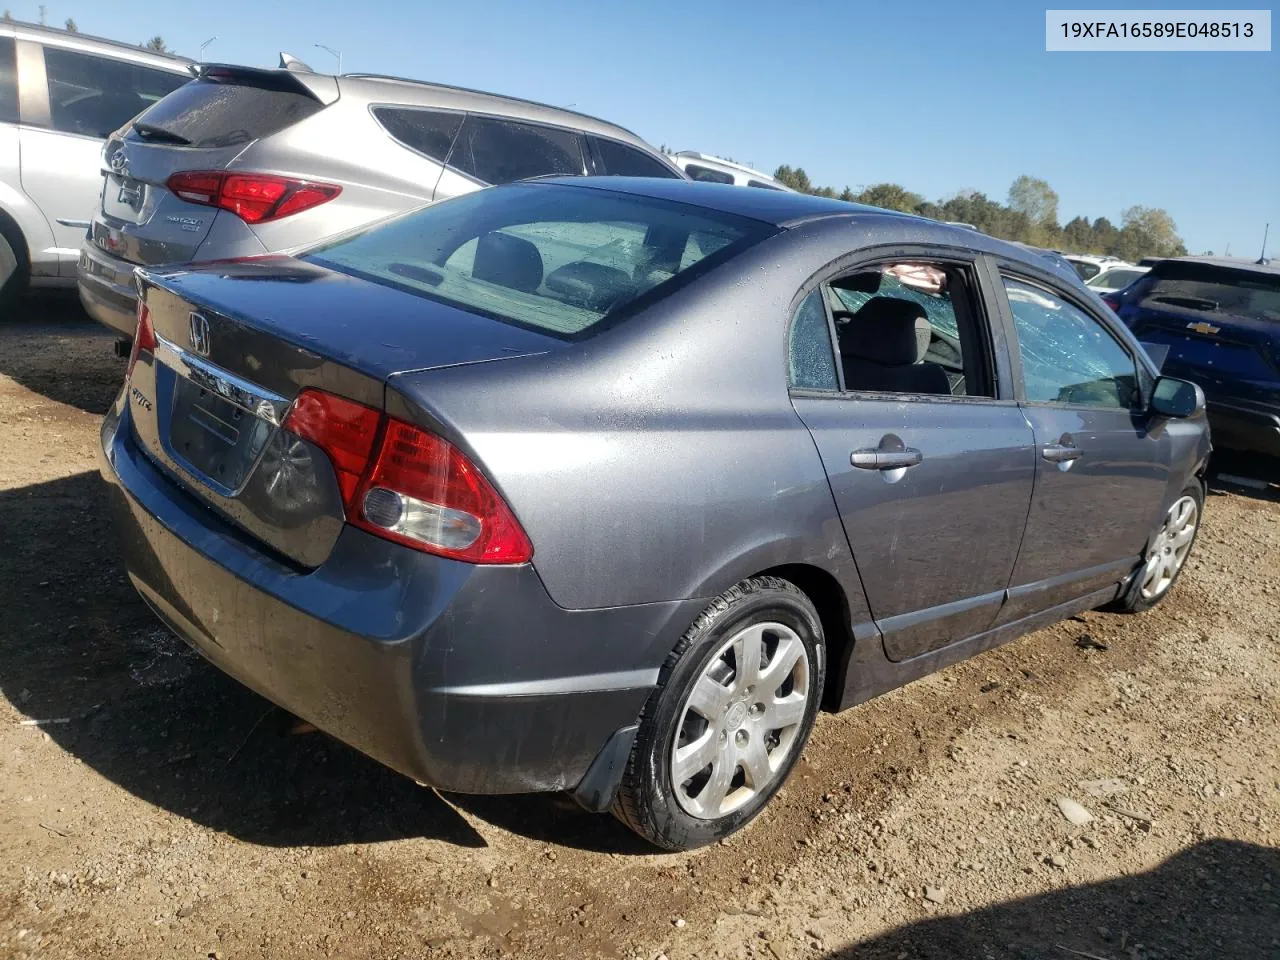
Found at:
<point>885,459</point>
<point>1059,452</point>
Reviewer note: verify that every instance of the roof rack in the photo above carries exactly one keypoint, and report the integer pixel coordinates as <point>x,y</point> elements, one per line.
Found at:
<point>77,35</point>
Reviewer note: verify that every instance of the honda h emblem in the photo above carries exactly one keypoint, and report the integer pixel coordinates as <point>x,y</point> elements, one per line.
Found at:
<point>199,334</point>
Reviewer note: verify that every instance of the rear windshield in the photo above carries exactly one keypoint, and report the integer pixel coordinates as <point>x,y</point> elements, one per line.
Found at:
<point>1209,288</point>
<point>561,260</point>
<point>221,113</point>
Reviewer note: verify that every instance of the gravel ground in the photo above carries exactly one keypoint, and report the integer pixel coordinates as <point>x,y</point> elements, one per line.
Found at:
<point>155,808</point>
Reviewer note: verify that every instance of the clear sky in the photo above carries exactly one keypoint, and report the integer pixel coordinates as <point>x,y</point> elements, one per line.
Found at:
<point>936,96</point>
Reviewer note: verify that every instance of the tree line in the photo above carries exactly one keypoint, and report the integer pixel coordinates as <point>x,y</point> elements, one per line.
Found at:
<point>1029,215</point>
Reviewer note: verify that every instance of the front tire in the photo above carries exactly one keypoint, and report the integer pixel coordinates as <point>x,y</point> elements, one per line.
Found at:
<point>1167,553</point>
<point>733,708</point>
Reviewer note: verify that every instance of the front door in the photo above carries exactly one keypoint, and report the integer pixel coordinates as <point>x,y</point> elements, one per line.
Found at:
<point>1100,470</point>
<point>931,468</point>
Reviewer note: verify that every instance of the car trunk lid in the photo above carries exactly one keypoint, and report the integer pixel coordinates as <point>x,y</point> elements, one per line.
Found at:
<point>203,125</point>
<point>237,342</point>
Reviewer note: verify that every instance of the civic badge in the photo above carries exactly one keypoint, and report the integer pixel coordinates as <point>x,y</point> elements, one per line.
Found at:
<point>199,327</point>
<point>1201,327</point>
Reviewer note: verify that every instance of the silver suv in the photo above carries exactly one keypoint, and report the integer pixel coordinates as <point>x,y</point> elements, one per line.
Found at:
<point>61,94</point>
<point>243,161</point>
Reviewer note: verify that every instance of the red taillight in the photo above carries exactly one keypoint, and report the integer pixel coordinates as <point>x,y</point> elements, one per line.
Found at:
<point>408,485</point>
<point>1112,301</point>
<point>253,197</point>
<point>144,337</point>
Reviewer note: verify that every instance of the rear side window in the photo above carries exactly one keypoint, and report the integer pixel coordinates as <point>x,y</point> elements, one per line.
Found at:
<point>762,185</point>
<point>501,151</point>
<point>430,132</point>
<point>222,113</point>
<point>812,366</point>
<point>557,259</point>
<point>707,175</point>
<point>623,161</point>
<point>95,96</point>
<point>8,82</point>
<point>1084,269</point>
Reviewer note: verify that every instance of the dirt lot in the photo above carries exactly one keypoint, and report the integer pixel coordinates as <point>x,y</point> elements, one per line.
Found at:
<point>151,807</point>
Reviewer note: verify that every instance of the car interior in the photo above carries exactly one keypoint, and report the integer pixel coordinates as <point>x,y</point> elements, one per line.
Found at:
<point>909,328</point>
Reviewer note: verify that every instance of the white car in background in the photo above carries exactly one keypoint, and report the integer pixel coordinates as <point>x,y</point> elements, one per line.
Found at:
<point>1089,265</point>
<point>61,94</point>
<point>1115,277</point>
<point>709,169</point>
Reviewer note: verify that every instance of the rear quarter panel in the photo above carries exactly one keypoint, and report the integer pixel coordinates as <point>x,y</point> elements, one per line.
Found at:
<point>660,460</point>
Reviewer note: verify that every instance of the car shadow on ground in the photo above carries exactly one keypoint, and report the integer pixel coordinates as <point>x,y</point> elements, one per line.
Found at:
<point>1214,900</point>
<point>80,652</point>
<point>1245,474</point>
<point>38,336</point>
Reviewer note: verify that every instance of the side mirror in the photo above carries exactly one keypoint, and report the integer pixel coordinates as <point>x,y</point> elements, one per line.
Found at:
<point>1176,399</point>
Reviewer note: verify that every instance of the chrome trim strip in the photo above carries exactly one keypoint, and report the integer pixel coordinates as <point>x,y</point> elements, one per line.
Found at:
<point>555,686</point>
<point>247,396</point>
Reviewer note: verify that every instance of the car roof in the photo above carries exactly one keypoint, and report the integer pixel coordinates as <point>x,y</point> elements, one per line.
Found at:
<point>22,30</point>
<point>378,88</point>
<point>1268,266</point>
<point>783,210</point>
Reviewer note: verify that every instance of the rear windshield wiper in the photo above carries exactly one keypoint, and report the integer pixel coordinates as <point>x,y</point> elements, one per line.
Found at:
<point>149,131</point>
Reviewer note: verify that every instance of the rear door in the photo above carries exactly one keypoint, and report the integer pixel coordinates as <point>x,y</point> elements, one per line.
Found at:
<point>1102,463</point>
<point>930,460</point>
<point>89,96</point>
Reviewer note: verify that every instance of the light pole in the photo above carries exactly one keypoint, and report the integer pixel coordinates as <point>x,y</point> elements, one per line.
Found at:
<point>336,53</point>
<point>205,44</point>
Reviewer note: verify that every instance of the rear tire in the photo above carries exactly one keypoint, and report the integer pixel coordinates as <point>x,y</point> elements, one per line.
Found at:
<point>1167,553</point>
<point>733,708</point>
<point>13,274</point>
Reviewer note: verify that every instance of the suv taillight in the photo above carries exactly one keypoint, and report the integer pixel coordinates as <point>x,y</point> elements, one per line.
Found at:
<point>1112,300</point>
<point>144,337</point>
<point>253,197</point>
<point>407,484</point>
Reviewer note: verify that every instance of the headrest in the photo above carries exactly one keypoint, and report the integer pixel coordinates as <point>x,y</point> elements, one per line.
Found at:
<point>866,282</point>
<point>591,285</point>
<point>508,261</point>
<point>888,331</point>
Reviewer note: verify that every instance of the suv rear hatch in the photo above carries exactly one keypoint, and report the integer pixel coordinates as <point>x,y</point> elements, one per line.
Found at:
<point>1221,324</point>
<point>228,349</point>
<point>202,126</point>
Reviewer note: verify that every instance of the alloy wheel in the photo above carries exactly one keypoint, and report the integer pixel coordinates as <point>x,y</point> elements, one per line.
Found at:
<point>740,720</point>
<point>1170,548</point>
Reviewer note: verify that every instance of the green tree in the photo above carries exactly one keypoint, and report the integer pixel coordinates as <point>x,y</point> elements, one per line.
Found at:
<point>71,26</point>
<point>1146,232</point>
<point>890,196</point>
<point>1034,198</point>
<point>796,179</point>
<point>8,17</point>
<point>1104,236</point>
<point>1077,235</point>
<point>847,195</point>
<point>157,44</point>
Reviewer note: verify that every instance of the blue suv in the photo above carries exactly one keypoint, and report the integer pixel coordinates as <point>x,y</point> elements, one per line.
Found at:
<point>1219,320</point>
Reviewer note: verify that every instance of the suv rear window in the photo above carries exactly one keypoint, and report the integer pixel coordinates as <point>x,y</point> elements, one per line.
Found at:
<point>8,82</point>
<point>222,113</point>
<point>430,132</point>
<point>1210,288</point>
<point>560,260</point>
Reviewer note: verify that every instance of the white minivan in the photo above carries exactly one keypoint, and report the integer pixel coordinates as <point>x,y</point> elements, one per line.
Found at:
<point>61,94</point>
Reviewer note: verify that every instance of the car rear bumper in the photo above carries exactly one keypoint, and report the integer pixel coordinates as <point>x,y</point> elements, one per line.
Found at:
<point>1240,425</point>
<point>467,678</point>
<point>107,289</point>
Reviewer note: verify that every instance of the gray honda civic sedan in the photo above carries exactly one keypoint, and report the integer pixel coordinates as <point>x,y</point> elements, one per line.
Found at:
<point>608,485</point>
